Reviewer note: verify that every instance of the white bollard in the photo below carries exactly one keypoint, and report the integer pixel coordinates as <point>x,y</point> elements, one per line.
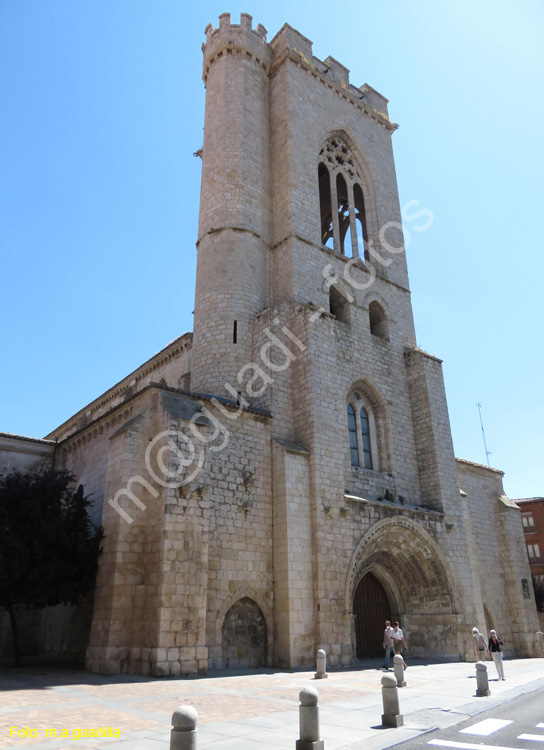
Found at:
<point>308,714</point>
<point>482,683</point>
<point>183,734</point>
<point>321,667</point>
<point>398,670</point>
<point>391,716</point>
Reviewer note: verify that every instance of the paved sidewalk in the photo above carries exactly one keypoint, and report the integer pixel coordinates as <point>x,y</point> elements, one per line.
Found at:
<point>255,711</point>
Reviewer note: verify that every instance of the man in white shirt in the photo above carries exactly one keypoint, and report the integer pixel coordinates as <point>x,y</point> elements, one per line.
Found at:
<point>388,643</point>
<point>398,642</point>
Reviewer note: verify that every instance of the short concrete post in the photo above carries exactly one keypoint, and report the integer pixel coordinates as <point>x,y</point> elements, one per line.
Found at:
<point>391,716</point>
<point>183,734</point>
<point>398,670</point>
<point>321,667</point>
<point>308,714</point>
<point>482,683</point>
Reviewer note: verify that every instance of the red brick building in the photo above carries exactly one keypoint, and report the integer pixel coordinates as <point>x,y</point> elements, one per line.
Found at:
<point>532,517</point>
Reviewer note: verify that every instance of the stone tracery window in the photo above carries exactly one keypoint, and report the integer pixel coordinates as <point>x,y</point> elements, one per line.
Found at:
<point>341,201</point>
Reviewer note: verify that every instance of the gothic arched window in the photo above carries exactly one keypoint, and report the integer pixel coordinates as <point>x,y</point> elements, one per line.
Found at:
<point>363,444</point>
<point>341,201</point>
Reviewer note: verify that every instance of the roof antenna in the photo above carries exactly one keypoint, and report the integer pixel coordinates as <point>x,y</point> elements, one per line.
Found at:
<point>487,453</point>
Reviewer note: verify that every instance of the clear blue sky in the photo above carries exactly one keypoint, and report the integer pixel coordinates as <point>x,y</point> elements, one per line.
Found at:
<point>102,109</point>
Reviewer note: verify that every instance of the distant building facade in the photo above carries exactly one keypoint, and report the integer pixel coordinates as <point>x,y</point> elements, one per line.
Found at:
<point>283,479</point>
<point>532,518</point>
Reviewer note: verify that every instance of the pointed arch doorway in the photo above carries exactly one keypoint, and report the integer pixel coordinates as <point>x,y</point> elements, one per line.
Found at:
<point>371,609</point>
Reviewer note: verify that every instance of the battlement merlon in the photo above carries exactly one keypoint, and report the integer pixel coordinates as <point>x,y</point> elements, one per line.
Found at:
<point>289,39</point>
<point>374,99</point>
<point>232,38</point>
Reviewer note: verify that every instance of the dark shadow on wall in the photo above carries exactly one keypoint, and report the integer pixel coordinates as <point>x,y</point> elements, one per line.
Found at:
<point>56,635</point>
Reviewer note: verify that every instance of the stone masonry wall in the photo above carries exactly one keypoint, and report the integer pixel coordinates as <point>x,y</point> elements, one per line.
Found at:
<point>501,560</point>
<point>233,240</point>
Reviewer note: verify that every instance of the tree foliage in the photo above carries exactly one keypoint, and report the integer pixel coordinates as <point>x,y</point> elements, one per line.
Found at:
<point>48,545</point>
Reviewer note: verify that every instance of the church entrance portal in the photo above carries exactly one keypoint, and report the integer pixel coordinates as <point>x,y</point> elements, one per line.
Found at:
<point>243,635</point>
<point>371,609</point>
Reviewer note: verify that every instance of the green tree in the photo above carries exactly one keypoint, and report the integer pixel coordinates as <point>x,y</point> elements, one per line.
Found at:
<point>48,545</point>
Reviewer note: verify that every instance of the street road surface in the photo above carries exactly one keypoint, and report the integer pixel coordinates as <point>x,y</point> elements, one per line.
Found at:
<point>516,724</point>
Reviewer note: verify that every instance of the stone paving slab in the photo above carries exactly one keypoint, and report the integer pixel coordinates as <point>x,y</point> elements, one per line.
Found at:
<point>257,710</point>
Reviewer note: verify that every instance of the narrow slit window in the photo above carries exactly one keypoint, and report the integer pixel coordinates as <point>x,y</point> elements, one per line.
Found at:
<point>365,434</point>
<point>325,206</point>
<point>352,428</point>
<point>360,221</point>
<point>235,332</point>
<point>343,217</point>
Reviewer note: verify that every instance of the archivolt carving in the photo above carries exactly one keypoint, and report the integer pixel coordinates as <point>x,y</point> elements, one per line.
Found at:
<point>407,560</point>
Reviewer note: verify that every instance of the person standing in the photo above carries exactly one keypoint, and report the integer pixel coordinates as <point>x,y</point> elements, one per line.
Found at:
<point>398,642</point>
<point>479,645</point>
<point>495,649</point>
<point>388,643</point>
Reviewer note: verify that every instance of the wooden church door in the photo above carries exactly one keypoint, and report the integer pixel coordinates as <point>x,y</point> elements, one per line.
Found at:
<point>371,607</point>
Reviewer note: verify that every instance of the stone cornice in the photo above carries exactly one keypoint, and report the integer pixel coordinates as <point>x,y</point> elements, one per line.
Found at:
<point>358,264</point>
<point>395,508</point>
<point>25,439</point>
<point>409,350</point>
<point>480,467</point>
<point>123,387</point>
<point>230,48</point>
<point>122,412</point>
<point>215,230</point>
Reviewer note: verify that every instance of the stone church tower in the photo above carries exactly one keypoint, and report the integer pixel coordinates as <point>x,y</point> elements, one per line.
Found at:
<point>299,244</point>
<point>306,489</point>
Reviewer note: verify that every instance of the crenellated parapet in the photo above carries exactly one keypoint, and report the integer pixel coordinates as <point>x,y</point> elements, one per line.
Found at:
<point>289,44</point>
<point>235,39</point>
